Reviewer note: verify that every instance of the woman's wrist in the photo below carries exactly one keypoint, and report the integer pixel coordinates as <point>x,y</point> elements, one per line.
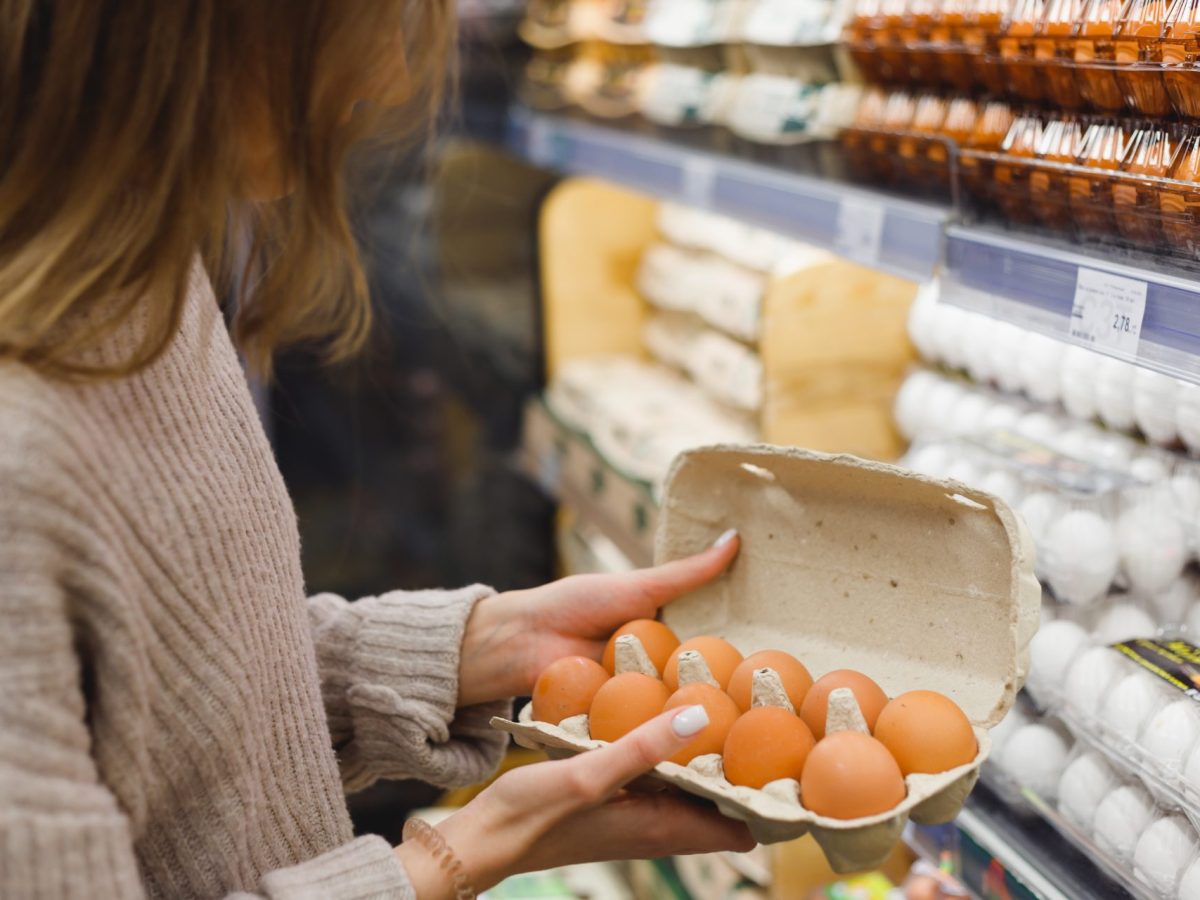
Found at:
<point>492,663</point>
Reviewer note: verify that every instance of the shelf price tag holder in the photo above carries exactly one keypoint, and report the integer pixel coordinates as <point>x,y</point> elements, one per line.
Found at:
<point>859,236</point>
<point>1107,312</point>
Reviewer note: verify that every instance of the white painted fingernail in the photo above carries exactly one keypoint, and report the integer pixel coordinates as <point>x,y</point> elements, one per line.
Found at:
<point>690,720</point>
<point>725,537</point>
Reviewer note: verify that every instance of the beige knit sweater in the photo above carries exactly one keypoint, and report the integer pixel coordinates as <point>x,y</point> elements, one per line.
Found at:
<point>170,703</point>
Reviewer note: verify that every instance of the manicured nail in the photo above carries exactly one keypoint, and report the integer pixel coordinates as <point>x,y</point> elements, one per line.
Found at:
<point>690,720</point>
<point>725,537</point>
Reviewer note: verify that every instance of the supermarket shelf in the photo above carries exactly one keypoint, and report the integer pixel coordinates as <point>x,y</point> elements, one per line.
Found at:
<point>567,466</point>
<point>1036,285</point>
<point>896,235</point>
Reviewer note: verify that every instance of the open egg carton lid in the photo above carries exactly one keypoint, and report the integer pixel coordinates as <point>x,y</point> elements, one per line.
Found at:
<point>919,582</point>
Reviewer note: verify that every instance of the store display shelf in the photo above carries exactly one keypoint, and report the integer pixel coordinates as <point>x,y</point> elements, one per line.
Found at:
<point>893,234</point>
<point>568,467</point>
<point>1132,307</point>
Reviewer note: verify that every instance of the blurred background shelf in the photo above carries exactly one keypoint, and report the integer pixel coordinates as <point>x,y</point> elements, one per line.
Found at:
<point>896,235</point>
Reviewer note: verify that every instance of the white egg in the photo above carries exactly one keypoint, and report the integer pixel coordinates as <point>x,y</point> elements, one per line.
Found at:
<point>949,330</point>
<point>963,470</point>
<point>1016,719</point>
<point>1040,427</point>
<point>1035,757</point>
<point>1172,604</point>
<point>1080,556</point>
<point>1053,648</point>
<point>1136,699</point>
<point>943,397</point>
<point>1164,852</point>
<point>922,321</point>
<point>1006,349</point>
<point>1191,771</point>
<point>1124,622</point>
<point>1003,484</point>
<point>1086,781</point>
<point>930,459</point>
<point>1149,467</point>
<point>1121,818</point>
<point>1192,623</point>
<point>1189,885</point>
<point>967,415</point>
<point>1040,367</point>
<point>1111,451</point>
<point>1090,678</point>
<point>1172,733</point>
<point>977,348</point>
<point>1185,491</point>
<point>1154,400</point>
<point>912,401</point>
<point>1153,547</point>
<point>1051,608</point>
<point>1000,417</point>
<point>1075,442</point>
<point>1187,415</point>
<point>1040,509</point>
<point>1114,393</point>
<point>1078,388</point>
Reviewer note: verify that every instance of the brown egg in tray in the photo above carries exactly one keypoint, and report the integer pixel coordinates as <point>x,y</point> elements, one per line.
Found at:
<point>835,571</point>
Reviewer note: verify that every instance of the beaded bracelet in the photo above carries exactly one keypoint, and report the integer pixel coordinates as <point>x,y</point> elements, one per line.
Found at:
<point>431,839</point>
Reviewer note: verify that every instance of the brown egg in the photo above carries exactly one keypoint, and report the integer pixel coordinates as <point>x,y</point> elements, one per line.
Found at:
<point>623,703</point>
<point>870,696</point>
<point>722,658</point>
<point>926,732</point>
<point>850,775</point>
<point>722,713</point>
<point>566,688</point>
<point>765,744</point>
<point>795,678</point>
<point>657,639</point>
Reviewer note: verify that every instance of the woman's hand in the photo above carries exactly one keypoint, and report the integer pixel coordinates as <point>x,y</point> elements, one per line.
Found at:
<point>575,810</point>
<point>511,637</point>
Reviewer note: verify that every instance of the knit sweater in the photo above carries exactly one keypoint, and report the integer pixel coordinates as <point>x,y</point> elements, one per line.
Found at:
<point>173,712</point>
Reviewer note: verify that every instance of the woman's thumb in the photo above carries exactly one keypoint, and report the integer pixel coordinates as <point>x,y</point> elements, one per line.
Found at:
<point>611,768</point>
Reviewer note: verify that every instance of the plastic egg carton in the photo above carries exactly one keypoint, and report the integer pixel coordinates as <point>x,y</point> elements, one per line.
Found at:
<point>834,568</point>
<point>1088,385</point>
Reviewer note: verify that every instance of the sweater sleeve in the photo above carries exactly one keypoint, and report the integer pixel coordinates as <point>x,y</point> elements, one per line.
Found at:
<point>389,677</point>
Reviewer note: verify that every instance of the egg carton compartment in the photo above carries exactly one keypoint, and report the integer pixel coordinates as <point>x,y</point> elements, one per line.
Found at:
<point>835,568</point>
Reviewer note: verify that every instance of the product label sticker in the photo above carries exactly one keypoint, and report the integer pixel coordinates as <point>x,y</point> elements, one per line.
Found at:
<point>677,95</point>
<point>787,22</point>
<point>773,108</point>
<point>1037,462</point>
<point>859,236</point>
<point>1175,662</point>
<point>1108,311</point>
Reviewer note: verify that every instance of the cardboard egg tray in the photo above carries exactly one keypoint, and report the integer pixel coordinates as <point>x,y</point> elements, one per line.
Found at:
<point>919,583</point>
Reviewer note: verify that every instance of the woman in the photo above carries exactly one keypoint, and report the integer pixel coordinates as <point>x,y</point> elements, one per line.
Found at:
<point>176,719</point>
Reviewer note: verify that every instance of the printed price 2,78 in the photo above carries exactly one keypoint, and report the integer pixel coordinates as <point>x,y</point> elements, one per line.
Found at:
<point>1122,324</point>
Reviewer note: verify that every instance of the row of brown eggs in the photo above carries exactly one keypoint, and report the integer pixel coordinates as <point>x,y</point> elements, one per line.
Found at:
<point>843,775</point>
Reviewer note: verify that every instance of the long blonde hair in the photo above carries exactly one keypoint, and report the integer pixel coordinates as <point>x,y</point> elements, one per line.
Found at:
<point>132,131</point>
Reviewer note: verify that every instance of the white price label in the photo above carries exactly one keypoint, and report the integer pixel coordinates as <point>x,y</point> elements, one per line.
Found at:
<point>1108,311</point>
<point>699,175</point>
<point>860,230</point>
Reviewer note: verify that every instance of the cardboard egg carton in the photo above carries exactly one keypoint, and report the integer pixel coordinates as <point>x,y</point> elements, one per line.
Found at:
<point>918,582</point>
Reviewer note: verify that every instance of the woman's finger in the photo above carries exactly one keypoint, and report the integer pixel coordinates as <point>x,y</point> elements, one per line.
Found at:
<point>662,584</point>
<point>603,772</point>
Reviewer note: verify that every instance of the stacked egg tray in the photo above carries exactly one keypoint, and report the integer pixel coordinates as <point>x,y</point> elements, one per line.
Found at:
<point>834,568</point>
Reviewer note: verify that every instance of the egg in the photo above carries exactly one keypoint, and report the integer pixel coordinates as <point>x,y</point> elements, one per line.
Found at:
<point>1189,885</point>
<point>1053,648</point>
<point>926,732</point>
<point>1039,510</point>
<point>850,775</point>
<point>566,687</point>
<point>1132,703</point>
<point>1040,427</point>
<point>623,703</point>
<point>722,713</point>
<point>942,399</point>
<point>931,459</point>
<point>795,677</point>
<point>1085,782</point>
<point>1114,393</point>
<point>1014,721</point>
<point>1000,417</point>
<point>1164,852</point>
<point>922,322</point>
<point>1149,466</point>
<point>967,415</point>
<point>1171,734</point>
<point>720,656</point>
<point>1040,367</point>
<point>1080,556</point>
<point>1191,771</point>
<point>1111,451</point>
<point>910,406</point>
<point>1120,819</point>
<point>1007,340</point>
<point>657,640</point>
<point>1074,442</point>
<point>766,744</point>
<point>1172,604</point>
<point>949,330</point>
<point>1192,622</point>
<point>870,696</point>
<point>1078,382</point>
<point>1187,415</point>
<point>1124,622</point>
<point>1091,677</point>
<point>1153,546</point>
<point>1003,484</point>
<point>977,354</point>
<point>1035,756</point>
<point>1154,399</point>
